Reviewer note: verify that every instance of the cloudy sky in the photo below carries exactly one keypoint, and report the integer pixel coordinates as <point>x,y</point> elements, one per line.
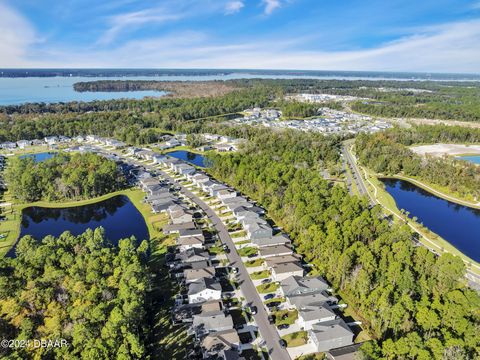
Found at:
<point>383,35</point>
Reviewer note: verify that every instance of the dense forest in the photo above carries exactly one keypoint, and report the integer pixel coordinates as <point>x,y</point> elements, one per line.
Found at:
<point>413,302</point>
<point>76,288</point>
<point>420,99</point>
<point>64,176</point>
<point>382,153</point>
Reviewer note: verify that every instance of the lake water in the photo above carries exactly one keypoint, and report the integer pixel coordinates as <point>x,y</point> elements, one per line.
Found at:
<point>195,159</point>
<point>36,86</point>
<point>39,157</point>
<point>474,158</point>
<point>15,91</point>
<point>459,225</point>
<point>117,215</point>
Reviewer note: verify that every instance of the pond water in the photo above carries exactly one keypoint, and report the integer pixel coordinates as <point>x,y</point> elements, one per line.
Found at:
<point>39,157</point>
<point>458,224</point>
<point>473,158</point>
<point>117,215</point>
<point>195,159</point>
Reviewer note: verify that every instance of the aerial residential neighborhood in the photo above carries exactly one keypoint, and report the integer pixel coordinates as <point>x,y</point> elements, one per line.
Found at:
<point>240,180</point>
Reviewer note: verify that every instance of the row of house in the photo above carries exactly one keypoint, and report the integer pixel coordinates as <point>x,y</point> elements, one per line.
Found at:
<point>311,298</point>
<point>211,325</point>
<point>308,295</point>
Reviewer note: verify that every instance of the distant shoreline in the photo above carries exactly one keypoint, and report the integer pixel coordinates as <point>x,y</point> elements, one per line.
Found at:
<point>320,74</point>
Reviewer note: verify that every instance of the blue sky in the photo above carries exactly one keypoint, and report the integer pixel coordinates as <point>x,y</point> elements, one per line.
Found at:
<point>387,35</point>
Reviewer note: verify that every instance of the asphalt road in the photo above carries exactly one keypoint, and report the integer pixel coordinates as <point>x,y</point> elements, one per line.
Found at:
<point>267,331</point>
<point>357,175</point>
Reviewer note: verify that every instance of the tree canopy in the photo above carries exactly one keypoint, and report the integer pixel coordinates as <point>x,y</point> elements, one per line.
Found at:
<point>77,288</point>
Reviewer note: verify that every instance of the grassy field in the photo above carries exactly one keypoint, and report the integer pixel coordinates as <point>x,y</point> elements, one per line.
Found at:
<point>298,338</point>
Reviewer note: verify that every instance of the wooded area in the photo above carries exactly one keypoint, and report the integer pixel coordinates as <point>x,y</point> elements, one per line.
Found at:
<point>64,176</point>
<point>413,302</point>
<point>383,154</point>
<point>77,288</point>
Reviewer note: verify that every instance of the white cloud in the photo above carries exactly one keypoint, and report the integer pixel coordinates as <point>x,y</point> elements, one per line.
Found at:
<point>233,7</point>
<point>270,5</point>
<point>16,35</point>
<point>119,23</point>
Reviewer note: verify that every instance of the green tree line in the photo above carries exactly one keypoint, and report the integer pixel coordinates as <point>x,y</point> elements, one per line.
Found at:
<point>77,288</point>
<point>382,153</point>
<point>413,303</point>
<point>64,176</point>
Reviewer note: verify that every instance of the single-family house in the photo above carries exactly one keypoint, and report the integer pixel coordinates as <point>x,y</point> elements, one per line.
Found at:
<point>211,321</point>
<point>185,243</point>
<point>176,228</point>
<point>310,314</point>
<point>349,352</point>
<point>204,289</point>
<point>276,250</point>
<point>192,255</point>
<point>330,335</point>
<point>22,144</point>
<point>51,140</point>
<point>226,194</point>
<point>281,271</point>
<point>299,286</point>
<point>218,341</point>
<point>192,275</point>
<point>279,239</point>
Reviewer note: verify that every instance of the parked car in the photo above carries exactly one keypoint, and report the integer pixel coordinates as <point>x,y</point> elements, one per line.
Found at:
<point>252,255</point>
<point>272,304</point>
<point>283,326</point>
<point>271,319</point>
<point>269,296</point>
<point>266,281</point>
<point>283,343</point>
<point>253,310</point>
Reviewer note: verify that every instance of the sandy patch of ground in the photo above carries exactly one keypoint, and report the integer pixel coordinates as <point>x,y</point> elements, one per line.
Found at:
<point>448,149</point>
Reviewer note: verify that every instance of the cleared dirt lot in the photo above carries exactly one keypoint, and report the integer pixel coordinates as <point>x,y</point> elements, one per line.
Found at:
<point>448,149</point>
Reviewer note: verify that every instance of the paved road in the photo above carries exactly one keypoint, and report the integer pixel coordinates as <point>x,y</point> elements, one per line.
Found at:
<point>472,278</point>
<point>362,189</point>
<point>267,331</point>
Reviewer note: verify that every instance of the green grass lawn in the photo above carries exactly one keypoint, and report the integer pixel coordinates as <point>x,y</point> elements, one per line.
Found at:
<point>291,316</point>
<point>242,242</point>
<point>214,250</point>
<point>298,338</point>
<point>267,288</point>
<point>249,250</point>
<point>260,275</point>
<point>254,263</point>
<point>242,233</point>
<point>277,299</point>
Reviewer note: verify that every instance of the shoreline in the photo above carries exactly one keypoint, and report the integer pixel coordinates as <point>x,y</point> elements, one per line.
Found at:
<point>135,196</point>
<point>439,244</point>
